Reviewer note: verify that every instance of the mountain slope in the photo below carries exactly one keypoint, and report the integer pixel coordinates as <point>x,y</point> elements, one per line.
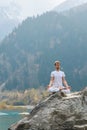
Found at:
<point>69,4</point>
<point>28,53</point>
<point>9,18</point>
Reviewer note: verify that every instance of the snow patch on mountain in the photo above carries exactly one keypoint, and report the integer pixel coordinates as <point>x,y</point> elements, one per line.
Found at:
<point>68,4</point>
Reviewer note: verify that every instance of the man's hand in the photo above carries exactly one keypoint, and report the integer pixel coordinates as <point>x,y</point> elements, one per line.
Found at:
<point>61,88</point>
<point>68,87</point>
<point>48,86</point>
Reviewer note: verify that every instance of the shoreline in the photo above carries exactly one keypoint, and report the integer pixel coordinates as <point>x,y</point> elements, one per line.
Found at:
<point>24,107</point>
<point>11,107</point>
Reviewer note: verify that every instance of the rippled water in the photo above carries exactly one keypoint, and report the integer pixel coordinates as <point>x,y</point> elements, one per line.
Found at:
<point>9,117</point>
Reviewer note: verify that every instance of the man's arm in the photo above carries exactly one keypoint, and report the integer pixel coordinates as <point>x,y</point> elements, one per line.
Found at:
<point>65,82</point>
<point>51,81</point>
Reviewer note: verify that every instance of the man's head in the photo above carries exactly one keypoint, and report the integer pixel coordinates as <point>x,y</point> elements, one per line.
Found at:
<point>57,65</point>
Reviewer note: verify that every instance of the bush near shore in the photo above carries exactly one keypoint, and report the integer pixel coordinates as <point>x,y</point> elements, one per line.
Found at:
<point>8,99</point>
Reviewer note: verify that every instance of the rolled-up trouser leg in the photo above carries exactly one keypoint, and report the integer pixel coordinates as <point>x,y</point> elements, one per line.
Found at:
<point>66,91</point>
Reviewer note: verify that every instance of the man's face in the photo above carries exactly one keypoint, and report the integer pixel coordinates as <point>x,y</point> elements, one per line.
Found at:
<point>57,66</point>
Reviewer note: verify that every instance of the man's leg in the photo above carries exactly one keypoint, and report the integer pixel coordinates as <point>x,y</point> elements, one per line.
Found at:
<point>53,89</point>
<point>66,91</point>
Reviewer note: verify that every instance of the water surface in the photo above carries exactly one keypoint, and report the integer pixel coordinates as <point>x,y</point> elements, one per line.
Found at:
<point>9,117</point>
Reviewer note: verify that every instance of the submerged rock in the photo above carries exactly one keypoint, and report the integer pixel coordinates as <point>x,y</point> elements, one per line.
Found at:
<point>57,113</point>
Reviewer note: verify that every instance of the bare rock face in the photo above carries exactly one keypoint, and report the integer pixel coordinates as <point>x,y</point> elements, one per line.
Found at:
<point>57,113</point>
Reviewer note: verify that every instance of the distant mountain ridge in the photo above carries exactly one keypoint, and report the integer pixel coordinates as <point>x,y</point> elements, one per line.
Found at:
<point>28,53</point>
<point>69,4</point>
<point>9,19</point>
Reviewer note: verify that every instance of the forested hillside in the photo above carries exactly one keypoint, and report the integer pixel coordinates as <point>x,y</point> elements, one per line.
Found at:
<point>28,53</point>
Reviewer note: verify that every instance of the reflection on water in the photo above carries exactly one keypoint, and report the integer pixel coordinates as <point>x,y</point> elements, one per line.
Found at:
<point>9,117</point>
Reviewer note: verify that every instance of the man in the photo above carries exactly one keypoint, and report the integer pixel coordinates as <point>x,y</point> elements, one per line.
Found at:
<point>58,80</point>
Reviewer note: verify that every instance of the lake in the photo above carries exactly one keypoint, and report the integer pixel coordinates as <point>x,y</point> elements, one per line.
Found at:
<point>9,117</point>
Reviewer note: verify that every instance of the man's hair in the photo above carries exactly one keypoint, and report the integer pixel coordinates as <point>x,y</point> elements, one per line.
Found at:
<point>57,61</point>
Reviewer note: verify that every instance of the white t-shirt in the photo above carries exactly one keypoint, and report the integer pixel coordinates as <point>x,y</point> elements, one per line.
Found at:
<point>57,78</point>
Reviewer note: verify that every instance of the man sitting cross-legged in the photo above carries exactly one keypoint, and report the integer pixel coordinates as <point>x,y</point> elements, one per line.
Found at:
<point>57,81</point>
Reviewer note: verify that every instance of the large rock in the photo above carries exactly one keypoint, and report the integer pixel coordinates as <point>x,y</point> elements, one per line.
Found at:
<point>57,113</point>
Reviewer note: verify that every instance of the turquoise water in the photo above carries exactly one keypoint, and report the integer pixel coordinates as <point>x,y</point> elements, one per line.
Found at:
<point>7,118</point>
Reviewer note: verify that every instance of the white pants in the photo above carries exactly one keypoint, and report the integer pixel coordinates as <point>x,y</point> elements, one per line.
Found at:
<point>56,89</point>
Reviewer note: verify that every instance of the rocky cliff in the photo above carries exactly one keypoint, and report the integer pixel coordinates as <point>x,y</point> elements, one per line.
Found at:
<point>57,113</point>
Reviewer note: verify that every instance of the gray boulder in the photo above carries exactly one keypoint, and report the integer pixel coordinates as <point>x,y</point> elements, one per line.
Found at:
<point>57,112</point>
